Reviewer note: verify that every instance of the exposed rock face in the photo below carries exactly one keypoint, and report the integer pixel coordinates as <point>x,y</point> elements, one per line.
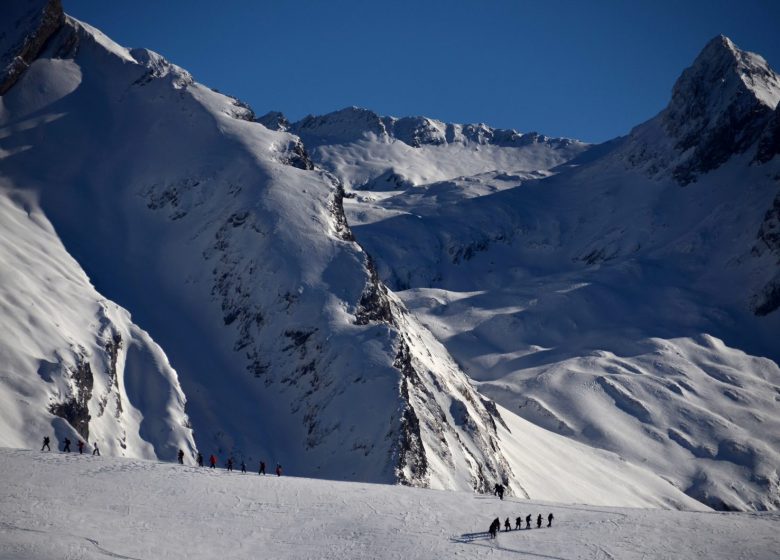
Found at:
<point>34,22</point>
<point>274,120</point>
<point>721,106</point>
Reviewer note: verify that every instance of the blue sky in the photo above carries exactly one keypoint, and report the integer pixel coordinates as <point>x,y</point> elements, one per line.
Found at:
<point>587,69</point>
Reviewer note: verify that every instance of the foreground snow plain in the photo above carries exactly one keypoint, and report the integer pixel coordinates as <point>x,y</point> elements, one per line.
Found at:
<point>78,507</point>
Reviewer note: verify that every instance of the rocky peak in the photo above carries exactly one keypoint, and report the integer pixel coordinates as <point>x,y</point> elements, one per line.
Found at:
<point>720,107</point>
<point>274,120</point>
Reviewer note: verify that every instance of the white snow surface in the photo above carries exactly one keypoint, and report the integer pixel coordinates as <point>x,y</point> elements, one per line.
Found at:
<point>63,344</point>
<point>68,506</point>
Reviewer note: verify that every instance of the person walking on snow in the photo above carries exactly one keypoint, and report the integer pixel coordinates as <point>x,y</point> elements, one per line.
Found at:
<point>494,527</point>
<point>230,464</point>
<point>528,521</point>
<point>549,520</point>
<point>243,467</point>
<point>96,451</point>
<point>261,470</point>
<point>66,447</point>
<point>519,523</point>
<point>278,469</point>
<point>181,457</point>
<point>81,447</point>
<point>507,525</point>
<point>539,521</point>
<point>495,489</point>
<point>212,462</point>
<point>45,445</point>
<point>199,459</point>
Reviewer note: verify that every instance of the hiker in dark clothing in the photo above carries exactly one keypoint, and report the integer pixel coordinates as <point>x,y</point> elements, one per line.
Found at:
<point>519,523</point>
<point>243,467</point>
<point>199,459</point>
<point>539,521</point>
<point>180,455</point>
<point>66,447</point>
<point>278,469</point>
<point>494,527</point>
<point>507,525</point>
<point>212,462</point>
<point>230,464</point>
<point>528,521</point>
<point>495,489</point>
<point>45,445</point>
<point>500,492</point>
<point>549,520</point>
<point>81,447</point>
<point>95,451</point>
<point>261,470</point>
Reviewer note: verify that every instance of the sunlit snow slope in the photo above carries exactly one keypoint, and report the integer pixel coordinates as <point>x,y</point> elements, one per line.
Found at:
<point>628,300</point>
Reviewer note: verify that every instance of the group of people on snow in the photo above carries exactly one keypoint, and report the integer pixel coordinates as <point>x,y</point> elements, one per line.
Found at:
<point>180,456</point>
<point>228,464</point>
<point>495,527</point>
<point>66,446</point>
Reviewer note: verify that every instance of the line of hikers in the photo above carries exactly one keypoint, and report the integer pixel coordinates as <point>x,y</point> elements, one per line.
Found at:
<point>495,527</point>
<point>66,446</point>
<point>228,464</point>
<point>180,456</point>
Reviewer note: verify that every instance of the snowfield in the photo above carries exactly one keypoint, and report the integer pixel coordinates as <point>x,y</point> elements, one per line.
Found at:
<point>59,506</point>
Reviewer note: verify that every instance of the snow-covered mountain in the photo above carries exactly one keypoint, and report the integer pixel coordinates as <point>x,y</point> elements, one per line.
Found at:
<point>628,299</point>
<point>581,287</point>
<point>236,256</point>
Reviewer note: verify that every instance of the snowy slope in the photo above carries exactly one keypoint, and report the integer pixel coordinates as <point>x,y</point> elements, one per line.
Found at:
<point>77,507</point>
<point>235,255</point>
<point>73,364</point>
<point>629,300</point>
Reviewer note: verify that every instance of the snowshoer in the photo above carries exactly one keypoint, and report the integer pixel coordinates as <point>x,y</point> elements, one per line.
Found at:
<point>96,451</point>
<point>243,467</point>
<point>519,523</point>
<point>539,521</point>
<point>278,469</point>
<point>230,464</point>
<point>180,455</point>
<point>212,462</point>
<point>528,521</point>
<point>507,525</point>
<point>199,459</point>
<point>66,447</point>
<point>549,520</point>
<point>45,445</point>
<point>81,447</point>
<point>261,470</point>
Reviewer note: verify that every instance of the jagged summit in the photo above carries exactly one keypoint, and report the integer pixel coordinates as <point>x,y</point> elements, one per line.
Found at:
<point>721,106</point>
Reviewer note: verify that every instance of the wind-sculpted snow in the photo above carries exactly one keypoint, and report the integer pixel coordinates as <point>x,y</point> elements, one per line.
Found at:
<point>603,300</point>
